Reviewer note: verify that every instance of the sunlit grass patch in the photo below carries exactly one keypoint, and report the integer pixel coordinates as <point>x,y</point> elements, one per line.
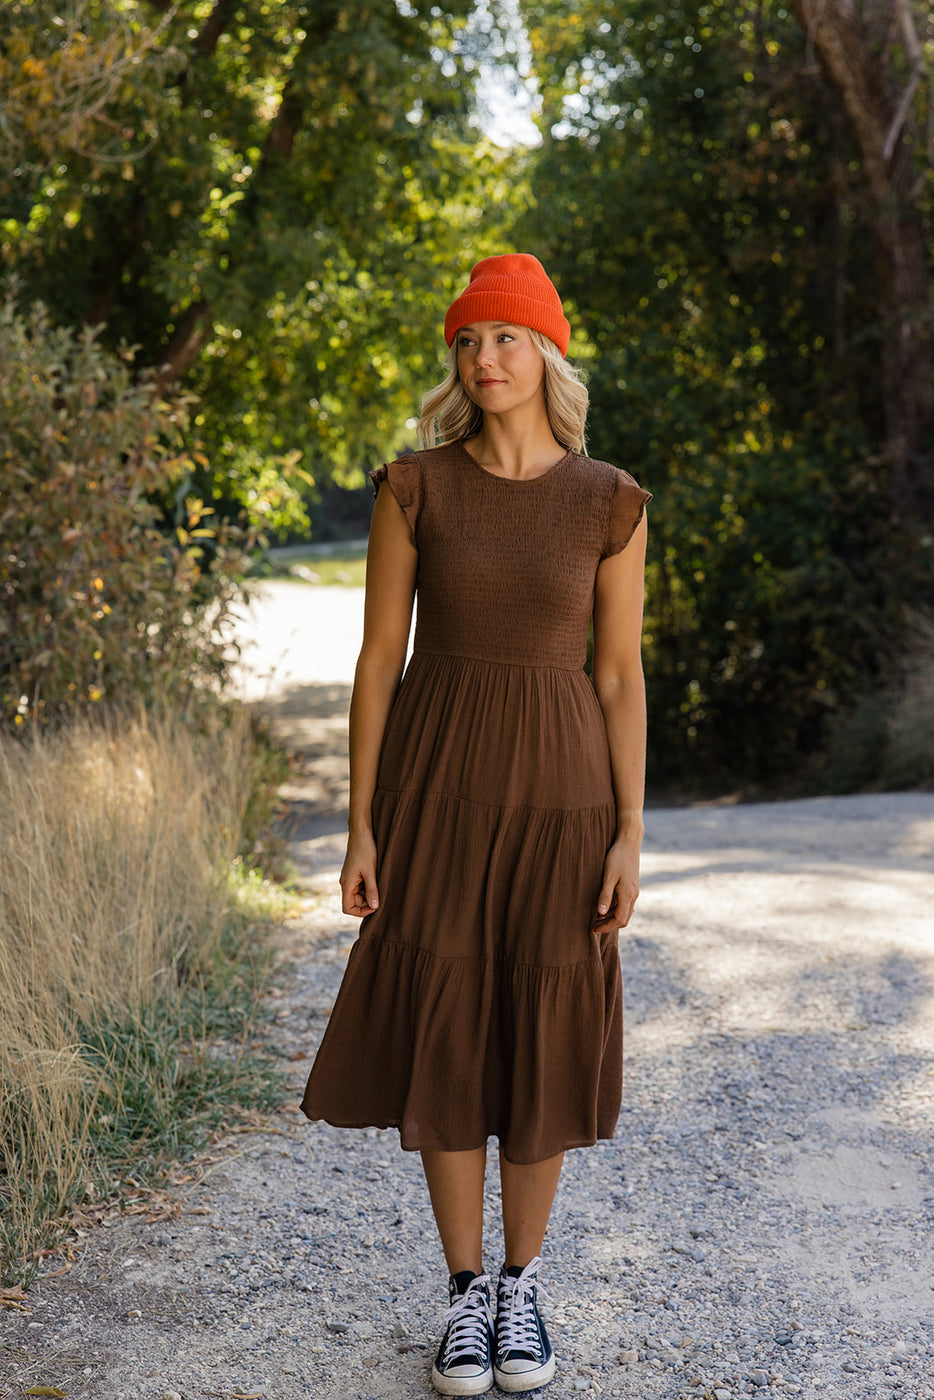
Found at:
<point>347,569</point>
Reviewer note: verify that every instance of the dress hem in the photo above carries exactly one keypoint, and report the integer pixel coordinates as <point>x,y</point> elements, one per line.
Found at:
<point>608,1136</point>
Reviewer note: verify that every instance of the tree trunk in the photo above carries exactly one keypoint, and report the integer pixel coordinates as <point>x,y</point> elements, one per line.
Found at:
<point>842,44</point>
<point>189,338</point>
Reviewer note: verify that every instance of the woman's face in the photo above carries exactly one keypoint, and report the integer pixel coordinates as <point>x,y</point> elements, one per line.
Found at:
<point>499,366</point>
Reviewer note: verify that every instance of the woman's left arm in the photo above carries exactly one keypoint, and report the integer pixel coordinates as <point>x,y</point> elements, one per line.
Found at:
<point>620,687</point>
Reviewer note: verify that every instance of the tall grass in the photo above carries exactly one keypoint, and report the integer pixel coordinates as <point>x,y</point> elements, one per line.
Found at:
<point>130,957</point>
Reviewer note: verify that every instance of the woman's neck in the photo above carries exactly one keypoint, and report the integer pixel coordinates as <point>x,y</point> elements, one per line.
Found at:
<point>508,448</point>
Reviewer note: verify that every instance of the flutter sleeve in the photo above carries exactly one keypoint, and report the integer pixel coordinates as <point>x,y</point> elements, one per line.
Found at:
<point>404,479</point>
<point>627,509</point>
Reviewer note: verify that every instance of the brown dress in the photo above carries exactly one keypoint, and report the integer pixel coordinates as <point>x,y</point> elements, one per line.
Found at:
<point>477,1000</point>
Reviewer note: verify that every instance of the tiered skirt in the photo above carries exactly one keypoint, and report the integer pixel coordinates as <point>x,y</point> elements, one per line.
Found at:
<point>478,1001</point>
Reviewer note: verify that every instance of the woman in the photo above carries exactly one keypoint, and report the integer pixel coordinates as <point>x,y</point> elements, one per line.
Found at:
<point>495,807</point>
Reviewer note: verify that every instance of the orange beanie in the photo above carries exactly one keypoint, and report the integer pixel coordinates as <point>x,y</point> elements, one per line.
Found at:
<point>514,287</point>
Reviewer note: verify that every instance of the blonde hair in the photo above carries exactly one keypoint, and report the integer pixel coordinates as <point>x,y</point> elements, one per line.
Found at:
<point>448,414</point>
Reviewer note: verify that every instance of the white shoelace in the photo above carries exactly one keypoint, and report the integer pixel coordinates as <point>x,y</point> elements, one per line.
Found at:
<point>517,1328</point>
<point>471,1319</point>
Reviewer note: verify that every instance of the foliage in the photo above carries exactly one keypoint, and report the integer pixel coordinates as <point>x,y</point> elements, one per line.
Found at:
<point>61,73</point>
<point>735,367</point>
<point>885,740</point>
<point>873,60</point>
<point>132,958</point>
<point>99,601</point>
<point>271,199</point>
<point>273,202</point>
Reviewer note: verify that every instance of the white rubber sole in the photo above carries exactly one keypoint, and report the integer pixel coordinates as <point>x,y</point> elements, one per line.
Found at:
<point>461,1385</point>
<point>525,1380</point>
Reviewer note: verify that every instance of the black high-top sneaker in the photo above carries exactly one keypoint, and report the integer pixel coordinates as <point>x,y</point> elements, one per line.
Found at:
<point>523,1358</point>
<point>464,1365</point>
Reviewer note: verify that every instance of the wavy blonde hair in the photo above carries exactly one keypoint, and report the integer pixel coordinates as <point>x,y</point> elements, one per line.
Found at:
<point>448,414</point>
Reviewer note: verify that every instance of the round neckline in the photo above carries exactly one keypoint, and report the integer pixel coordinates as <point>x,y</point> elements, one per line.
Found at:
<point>514,480</point>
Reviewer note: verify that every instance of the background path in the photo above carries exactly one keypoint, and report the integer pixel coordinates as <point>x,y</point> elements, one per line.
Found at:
<point>762,1223</point>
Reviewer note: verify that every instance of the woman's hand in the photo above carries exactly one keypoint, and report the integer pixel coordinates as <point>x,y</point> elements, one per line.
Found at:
<point>359,895</point>
<point>620,888</point>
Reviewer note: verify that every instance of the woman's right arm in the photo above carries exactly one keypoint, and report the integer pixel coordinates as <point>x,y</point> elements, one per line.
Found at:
<point>391,563</point>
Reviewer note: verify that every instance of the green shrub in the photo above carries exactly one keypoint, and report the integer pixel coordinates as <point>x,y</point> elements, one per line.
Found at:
<point>102,598</point>
<point>886,740</point>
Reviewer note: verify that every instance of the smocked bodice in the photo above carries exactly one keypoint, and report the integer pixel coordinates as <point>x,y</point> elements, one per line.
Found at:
<point>506,568</point>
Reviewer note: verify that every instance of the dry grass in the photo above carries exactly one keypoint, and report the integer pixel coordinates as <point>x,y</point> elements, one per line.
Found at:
<point>124,948</point>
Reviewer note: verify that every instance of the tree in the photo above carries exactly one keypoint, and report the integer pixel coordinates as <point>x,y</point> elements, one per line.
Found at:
<point>699,197</point>
<point>874,61</point>
<point>271,206</point>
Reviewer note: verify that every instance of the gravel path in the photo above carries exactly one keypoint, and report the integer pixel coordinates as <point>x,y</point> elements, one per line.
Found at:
<point>762,1223</point>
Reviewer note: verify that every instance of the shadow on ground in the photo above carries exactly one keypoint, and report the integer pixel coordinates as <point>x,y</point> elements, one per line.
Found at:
<point>311,720</point>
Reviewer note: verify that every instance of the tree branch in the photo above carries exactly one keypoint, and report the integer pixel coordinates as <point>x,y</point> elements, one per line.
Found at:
<point>843,44</point>
<point>84,83</point>
<point>214,26</point>
<point>916,68</point>
<point>285,125</point>
<point>195,325</point>
<point>837,36</point>
<point>188,340</point>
